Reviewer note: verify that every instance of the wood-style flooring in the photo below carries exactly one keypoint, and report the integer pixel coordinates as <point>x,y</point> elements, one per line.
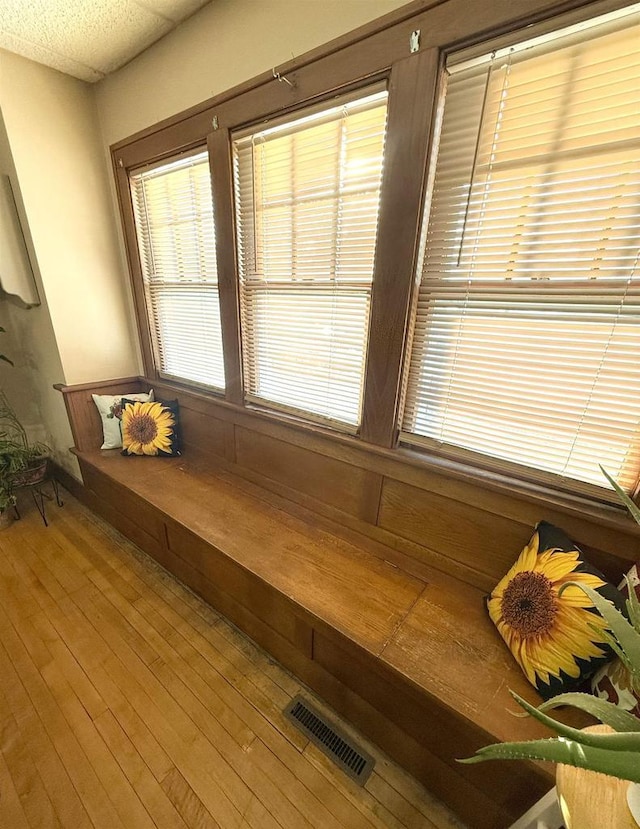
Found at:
<point>126,702</point>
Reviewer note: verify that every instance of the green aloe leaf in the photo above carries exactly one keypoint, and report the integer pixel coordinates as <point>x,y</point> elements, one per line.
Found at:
<point>629,504</point>
<point>628,638</point>
<point>622,764</point>
<point>626,741</point>
<point>613,644</point>
<point>633,605</point>
<point>606,712</point>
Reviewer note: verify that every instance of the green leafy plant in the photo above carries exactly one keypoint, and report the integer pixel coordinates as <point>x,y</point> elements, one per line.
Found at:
<point>13,436</point>
<point>19,459</point>
<point>616,754</point>
<point>7,499</point>
<point>17,455</point>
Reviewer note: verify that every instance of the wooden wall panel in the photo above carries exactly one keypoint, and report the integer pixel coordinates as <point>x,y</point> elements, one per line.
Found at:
<point>487,543</point>
<point>202,433</point>
<point>586,522</point>
<point>349,488</point>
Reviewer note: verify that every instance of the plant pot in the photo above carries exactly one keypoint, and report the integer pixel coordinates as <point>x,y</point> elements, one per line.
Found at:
<point>35,472</point>
<point>590,800</point>
<point>633,801</point>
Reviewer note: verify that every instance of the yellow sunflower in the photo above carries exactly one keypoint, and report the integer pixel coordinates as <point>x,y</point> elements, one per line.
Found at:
<point>147,428</point>
<point>546,632</point>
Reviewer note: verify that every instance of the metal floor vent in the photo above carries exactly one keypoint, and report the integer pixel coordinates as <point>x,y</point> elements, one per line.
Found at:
<point>331,740</point>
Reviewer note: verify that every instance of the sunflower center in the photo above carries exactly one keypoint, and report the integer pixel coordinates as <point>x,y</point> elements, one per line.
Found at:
<point>529,604</point>
<point>143,428</point>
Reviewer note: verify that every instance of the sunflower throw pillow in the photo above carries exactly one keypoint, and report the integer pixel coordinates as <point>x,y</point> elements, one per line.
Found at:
<point>557,639</point>
<point>110,408</point>
<point>150,428</point>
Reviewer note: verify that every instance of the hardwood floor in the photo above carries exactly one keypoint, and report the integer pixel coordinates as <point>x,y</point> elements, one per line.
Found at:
<point>127,703</point>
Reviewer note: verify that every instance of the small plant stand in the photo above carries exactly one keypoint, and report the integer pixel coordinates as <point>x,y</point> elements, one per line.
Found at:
<point>40,497</point>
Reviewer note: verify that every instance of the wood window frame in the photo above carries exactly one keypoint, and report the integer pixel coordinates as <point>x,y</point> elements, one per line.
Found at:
<point>377,51</point>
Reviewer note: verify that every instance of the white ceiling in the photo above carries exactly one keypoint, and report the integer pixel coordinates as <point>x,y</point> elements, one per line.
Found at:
<point>88,38</point>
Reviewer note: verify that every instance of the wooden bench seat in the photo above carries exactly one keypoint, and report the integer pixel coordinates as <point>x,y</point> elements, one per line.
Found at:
<point>406,653</point>
<point>414,662</point>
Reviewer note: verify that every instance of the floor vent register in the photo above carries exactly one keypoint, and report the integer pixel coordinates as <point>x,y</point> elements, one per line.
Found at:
<point>330,739</point>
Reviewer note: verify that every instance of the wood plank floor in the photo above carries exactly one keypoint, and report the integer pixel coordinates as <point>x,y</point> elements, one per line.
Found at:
<point>127,703</point>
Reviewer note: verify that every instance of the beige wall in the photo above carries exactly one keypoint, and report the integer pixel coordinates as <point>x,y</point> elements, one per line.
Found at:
<point>227,42</point>
<point>53,133</point>
<point>31,343</point>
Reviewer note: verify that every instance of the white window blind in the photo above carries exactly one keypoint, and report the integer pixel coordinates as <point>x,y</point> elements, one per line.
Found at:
<point>526,345</point>
<point>307,195</point>
<point>176,239</point>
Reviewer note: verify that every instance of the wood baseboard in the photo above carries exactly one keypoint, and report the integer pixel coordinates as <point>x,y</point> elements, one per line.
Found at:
<point>71,484</point>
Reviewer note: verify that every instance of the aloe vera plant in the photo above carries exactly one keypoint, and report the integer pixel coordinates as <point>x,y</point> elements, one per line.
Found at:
<point>617,753</point>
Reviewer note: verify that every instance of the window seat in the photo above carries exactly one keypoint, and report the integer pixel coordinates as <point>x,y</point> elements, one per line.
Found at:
<point>416,664</point>
<point>411,660</point>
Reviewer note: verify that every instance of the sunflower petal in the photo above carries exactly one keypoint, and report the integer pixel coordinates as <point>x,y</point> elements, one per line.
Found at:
<point>557,565</point>
<point>529,555</point>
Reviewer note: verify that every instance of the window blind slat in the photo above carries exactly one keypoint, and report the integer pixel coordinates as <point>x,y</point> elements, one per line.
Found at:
<point>527,319</point>
<point>176,239</point>
<point>307,197</point>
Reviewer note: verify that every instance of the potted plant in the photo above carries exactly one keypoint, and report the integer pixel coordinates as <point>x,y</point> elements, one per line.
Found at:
<point>21,463</point>
<point>617,753</point>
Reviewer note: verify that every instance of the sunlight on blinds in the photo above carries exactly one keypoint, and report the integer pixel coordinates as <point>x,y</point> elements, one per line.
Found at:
<point>526,344</point>
<point>176,240</point>
<point>307,196</point>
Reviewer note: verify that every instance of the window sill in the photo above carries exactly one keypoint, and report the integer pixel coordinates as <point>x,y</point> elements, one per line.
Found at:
<point>547,496</point>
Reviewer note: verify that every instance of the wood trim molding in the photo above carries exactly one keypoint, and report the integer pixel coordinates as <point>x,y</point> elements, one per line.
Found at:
<point>93,387</point>
<point>71,484</point>
<point>125,207</point>
<point>412,99</point>
<point>219,146</point>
